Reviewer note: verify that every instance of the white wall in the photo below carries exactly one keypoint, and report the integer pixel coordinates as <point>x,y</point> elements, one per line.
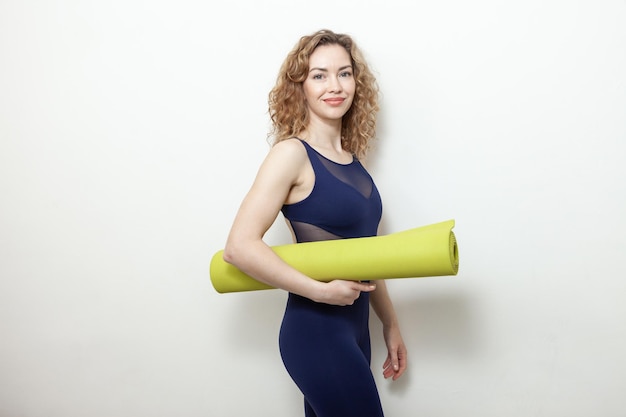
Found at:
<point>130,131</point>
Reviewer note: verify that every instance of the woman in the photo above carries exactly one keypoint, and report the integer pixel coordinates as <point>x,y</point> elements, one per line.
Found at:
<point>323,109</point>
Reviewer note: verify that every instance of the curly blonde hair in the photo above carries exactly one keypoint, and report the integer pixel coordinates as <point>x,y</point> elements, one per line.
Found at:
<point>287,108</point>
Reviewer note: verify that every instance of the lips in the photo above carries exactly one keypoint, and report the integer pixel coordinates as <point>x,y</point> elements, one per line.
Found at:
<point>334,101</point>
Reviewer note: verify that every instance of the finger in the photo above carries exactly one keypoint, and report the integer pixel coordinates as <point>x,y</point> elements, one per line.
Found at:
<point>395,364</point>
<point>402,362</point>
<point>366,286</point>
<point>399,373</point>
<point>387,362</point>
<point>388,367</point>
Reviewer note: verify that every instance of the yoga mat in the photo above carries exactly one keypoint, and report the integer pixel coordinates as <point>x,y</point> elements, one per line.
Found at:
<point>426,251</point>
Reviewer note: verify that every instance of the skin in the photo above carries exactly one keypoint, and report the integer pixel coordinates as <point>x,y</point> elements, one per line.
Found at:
<point>286,177</point>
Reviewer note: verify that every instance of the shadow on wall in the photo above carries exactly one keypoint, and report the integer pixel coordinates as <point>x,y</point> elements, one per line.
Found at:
<point>253,319</point>
<point>443,323</point>
<point>433,325</point>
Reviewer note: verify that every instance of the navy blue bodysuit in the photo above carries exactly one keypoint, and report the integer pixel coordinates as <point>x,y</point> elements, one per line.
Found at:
<point>326,348</point>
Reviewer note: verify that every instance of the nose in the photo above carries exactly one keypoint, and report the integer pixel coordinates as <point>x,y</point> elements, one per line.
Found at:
<point>334,85</point>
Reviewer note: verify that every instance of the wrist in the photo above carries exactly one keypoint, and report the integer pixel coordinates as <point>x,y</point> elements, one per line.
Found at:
<point>390,323</point>
<point>315,291</point>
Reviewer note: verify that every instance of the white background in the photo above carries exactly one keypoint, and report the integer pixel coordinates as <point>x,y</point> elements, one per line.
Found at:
<point>131,130</point>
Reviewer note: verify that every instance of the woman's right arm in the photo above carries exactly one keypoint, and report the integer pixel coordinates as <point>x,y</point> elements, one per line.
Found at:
<point>281,171</point>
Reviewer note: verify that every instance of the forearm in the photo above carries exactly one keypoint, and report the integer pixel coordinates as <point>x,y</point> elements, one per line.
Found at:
<point>382,305</point>
<point>259,261</point>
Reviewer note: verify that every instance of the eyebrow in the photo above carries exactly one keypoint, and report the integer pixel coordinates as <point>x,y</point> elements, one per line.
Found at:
<point>326,70</point>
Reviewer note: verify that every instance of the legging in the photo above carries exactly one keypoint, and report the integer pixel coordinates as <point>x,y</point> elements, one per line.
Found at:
<point>326,350</point>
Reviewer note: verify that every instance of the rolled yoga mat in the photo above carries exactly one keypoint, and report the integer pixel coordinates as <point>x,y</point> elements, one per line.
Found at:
<point>425,251</point>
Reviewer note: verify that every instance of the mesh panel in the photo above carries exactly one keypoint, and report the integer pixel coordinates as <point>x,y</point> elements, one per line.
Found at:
<point>349,174</point>
<point>306,232</point>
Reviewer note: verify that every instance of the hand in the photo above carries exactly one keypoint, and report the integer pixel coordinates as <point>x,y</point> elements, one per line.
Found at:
<point>396,361</point>
<point>343,293</point>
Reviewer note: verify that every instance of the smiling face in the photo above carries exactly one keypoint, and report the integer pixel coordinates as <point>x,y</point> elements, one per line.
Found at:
<point>329,86</point>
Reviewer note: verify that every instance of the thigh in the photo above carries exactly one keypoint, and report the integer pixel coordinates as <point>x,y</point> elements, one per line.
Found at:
<point>324,358</point>
<point>343,387</point>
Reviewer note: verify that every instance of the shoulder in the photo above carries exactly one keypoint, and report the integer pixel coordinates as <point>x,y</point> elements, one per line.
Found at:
<point>288,152</point>
<point>290,147</point>
<point>285,159</point>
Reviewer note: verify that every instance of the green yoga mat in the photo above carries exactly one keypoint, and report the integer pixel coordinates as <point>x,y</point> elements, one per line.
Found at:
<point>426,251</point>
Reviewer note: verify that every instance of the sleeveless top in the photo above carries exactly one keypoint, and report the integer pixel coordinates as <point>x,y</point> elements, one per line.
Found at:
<point>344,202</point>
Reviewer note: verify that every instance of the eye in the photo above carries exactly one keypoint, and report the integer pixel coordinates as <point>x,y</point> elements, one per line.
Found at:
<point>318,76</point>
<point>345,74</point>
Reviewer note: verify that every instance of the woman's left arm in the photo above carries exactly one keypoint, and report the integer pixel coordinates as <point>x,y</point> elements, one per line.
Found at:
<point>396,361</point>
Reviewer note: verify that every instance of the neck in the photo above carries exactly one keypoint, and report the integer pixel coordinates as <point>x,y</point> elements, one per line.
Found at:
<point>324,135</point>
